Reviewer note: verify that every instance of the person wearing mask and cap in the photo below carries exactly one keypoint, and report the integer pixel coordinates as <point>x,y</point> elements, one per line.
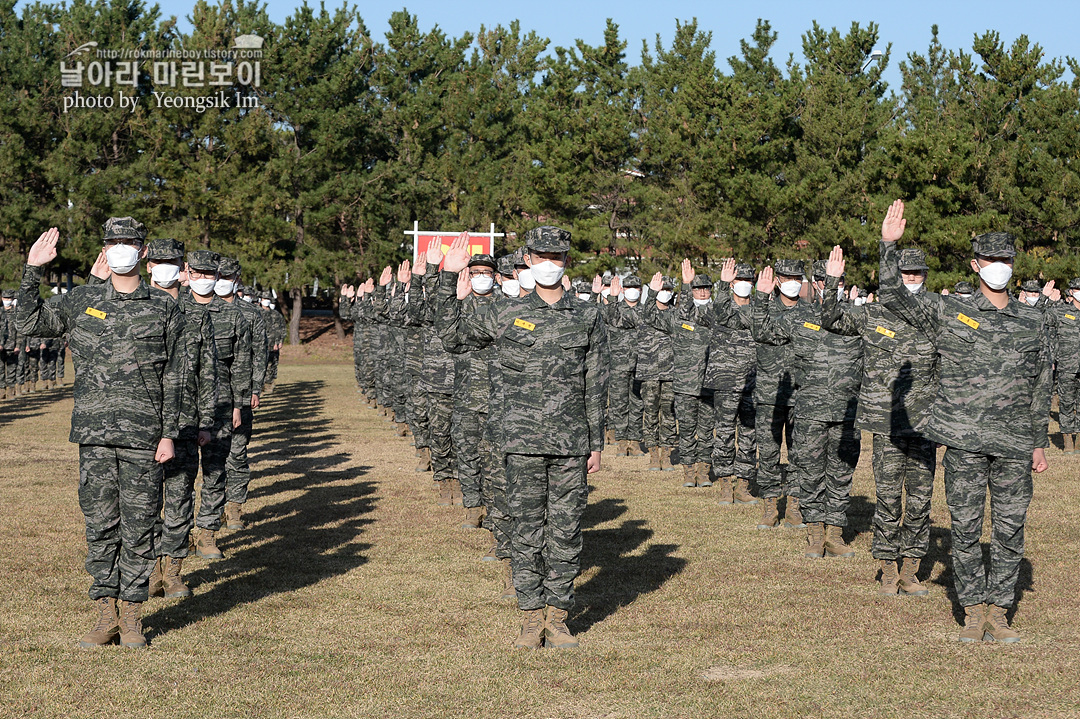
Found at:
<point>552,352</point>
<point>125,340</point>
<point>731,375</point>
<point>582,291</point>
<point>1036,295</point>
<point>991,412</point>
<point>895,397</point>
<point>523,272</point>
<point>276,332</point>
<point>232,343</point>
<point>1063,320</point>
<point>963,290</point>
<point>656,372</point>
<point>621,311</point>
<point>507,279</point>
<point>826,370</point>
<point>9,357</point>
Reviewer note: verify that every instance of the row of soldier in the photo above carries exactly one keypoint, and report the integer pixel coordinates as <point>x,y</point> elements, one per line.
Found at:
<point>168,371</point>
<point>718,379</point>
<point>25,361</point>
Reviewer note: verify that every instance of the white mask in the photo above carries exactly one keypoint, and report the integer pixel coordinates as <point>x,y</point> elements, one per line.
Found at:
<point>1076,295</point>
<point>248,298</point>
<point>860,301</point>
<point>525,279</point>
<point>996,275</point>
<point>584,296</point>
<point>511,288</point>
<point>632,294</point>
<point>840,293</point>
<point>202,286</point>
<point>482,284</point>
<point>964,296</point>
<point>742,288</point>
<point>1032,300</point>
<point>913,287</point>
<point>790,289</point>
<point>7,304</point>
<point>224,288</point>
<point>165,275</point>
<point>122,258</point>
<point>701,303</point>
<point>266,303</point>
<point>547,273</point>
<point>605,292</point>
<point>663,296</point>
<point>273,305</point>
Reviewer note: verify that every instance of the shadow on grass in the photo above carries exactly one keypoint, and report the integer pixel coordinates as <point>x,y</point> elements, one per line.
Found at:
<point>310,534</point>
<point>29,405</point>
<point>622,578</point>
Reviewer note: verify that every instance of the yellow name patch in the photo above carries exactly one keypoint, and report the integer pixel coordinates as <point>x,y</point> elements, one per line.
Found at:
<point>95,313</point>
<point>527,325</point>
<point>968,321</point>
<point>811,326</point>
<point>887,332</point>
<point>1071,317</point>
<point>688,327</point>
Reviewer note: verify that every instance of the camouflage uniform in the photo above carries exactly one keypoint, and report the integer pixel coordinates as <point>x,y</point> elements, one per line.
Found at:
<point>8,335</point>
<point>991,412</point>
<point>127,392</point>
<point>897,391</point>
<point>624,389</point>
<point>276,332</point>
<point>656,372</point>
<point>553,364</point>
<point>1064,325</point>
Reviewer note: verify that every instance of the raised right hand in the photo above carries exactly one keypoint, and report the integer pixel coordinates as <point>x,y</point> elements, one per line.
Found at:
<point>765,281</point>
<point>44,250</point>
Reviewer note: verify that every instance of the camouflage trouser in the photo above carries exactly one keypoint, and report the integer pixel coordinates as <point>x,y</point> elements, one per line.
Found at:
<point>902,463</point>
<point>398,375</point>
<point>20,371</point>
<point>695,414</point>
<point>773,422</point>
<point>824,465</point>
<point>60,360</point>
<point>120,497</point>
<point>967,476</point>
<point>735,446</point>
<point>440,414</point>
<point>48,363</point>
<point>178,505</point>
<point>547,496</point>
<point>416,411</point>
<point>8,363</point>
<point>466,427</point>
<point>272,359</point>
<point>215,455</point>
<point>358,358</point>
<point>1068,389</point>
<point>493,493</point>
<point>624,405</point>
<point>238,474</point>
<point>658,399</point>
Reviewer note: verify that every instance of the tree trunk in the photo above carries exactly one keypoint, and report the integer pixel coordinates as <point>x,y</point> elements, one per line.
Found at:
<point>294,319</point>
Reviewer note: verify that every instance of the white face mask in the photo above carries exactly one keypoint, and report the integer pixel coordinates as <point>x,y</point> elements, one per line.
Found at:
<point>273,305</point>
<point>202,286</point>
<point>1076,295</point>
<point>547,273</point>
<point>248,298</point>
<point>631,294</point>
<point>481,284</point>
<point>663,296</point>
<point>122,258</point>
<point>605,292</point>
<point>1031,300</point>
<point>840,293</point>
<point>913,287</point>
<point>165,275</point>
<point>996,275</point>
<point>584,296</point>
<point>860,301</point>
<point>7,304</point>
<point>266,303</point>
<point>701,303</point>
<point>511,288</point>
<point>742,288</point>
<point>525,279</point>
<point>224,288</point>
<point>964,295</point>
<point>790,289</point>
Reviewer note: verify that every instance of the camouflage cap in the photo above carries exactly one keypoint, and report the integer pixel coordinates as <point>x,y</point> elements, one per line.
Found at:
<point>519,257</point>
<point>819,269</point>
<point>632,281</point>
<point>744,271</point>
<point>124,228</point>
<point>505,265</point>
<point>789,268</point>
<point>164,249</point>
<point>701,280</point>
<point>229,267</point>
<point>8,293</point>
<point>1074,283</point>
<point>1031,286</point>
<point>266,295</point>
<point>667,283</point>
<point>241,290</point>
<point>581,286</point>
<point>994,244</point>
<point>864,294</point>
<point>203,260</point>
<point>547,238</point>
<point>963,287</point>
<point>483,260</point>
<point>913,260</point>
<point>606,279</point>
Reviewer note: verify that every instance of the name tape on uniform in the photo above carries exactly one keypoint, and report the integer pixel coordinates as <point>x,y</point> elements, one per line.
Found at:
<point>95,313</point>
<point>527,325</point>
<point>1071,317</point>
<point>811,326</point>
<point>885,331</point>
<point>968,321</point>
<point>688,327</point>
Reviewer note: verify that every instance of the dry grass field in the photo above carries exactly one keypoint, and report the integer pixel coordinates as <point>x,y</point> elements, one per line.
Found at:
<point>351,594</point>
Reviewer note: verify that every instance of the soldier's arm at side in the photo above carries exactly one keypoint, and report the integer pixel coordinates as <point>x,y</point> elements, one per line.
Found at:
<point>241,367</point>
<point>596,381</point>
<point>207,374</point>
<point>836,316</point>
<point>259,353</point>
<point>1041,397</point>
<point>173,380</point>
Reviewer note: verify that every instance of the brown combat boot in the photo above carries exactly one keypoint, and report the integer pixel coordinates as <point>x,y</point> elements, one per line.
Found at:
<point>474,517</point>
<point>457,497</point>
<point>490,556</point>
<point>446,494</point>
<point>726,493</point>
<point>532,630</point>
<point>609,436</point>
<point>1069,440</point>
<point>665,459</point>
<point>689,475</point>
<point>834,543</point>
<point>174,585</point>
<point>621,448</point>
<point>424,463</point>
<point>268,389</point>
<point>206,547</point>
<point>32,384</point>
<point>131,635</point>
<point>107,627</point>
<point>704,470</point>
<point>634,449</point>
<point>890,577</point>
<point>974,621</point>
<point>233,518</point>
<point>508,591</point>
<point>996,628</point>
<point>770,515</point>
<point>793,515</point>
<point>400,429</point>
<point>157,589</point>
<point>741,492</point>
<point>908,582</point>
<point>815,540</point>
<point>556,635</point>
<point>654,459</point>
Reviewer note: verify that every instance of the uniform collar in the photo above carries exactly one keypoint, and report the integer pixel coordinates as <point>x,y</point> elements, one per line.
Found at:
<point>536,302</point>
<point>985,305</point>
<point>142,292</point>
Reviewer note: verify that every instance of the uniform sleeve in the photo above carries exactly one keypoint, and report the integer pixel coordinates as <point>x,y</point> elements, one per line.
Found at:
<point>1040,400</point>
<point>836,316</point>
<point>620,315</point>
<point>344,308</point>
<point>206,375</point>
<point>460,332</point>
<point>895,297</point>
<point>767,330</point>
<point>596,382</point>
<point>241,368</point>
<point>173,380</point>
<point>259,352</point>
<point>33,316</point>
<point>660,321</point>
